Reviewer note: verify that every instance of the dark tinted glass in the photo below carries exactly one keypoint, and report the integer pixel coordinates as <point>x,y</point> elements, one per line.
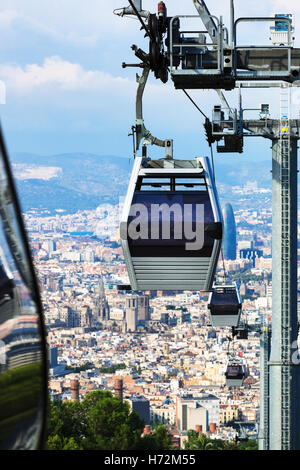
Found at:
<point>185,216</point>
<point>224,303</point>
<point>22,341</point>
<point>234,372</point>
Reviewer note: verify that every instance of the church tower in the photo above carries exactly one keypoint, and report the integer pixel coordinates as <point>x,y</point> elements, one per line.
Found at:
<point>102,307</point>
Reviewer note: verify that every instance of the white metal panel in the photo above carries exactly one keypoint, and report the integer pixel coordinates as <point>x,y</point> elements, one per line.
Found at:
<point>124,219</point>
<point>225,320</point>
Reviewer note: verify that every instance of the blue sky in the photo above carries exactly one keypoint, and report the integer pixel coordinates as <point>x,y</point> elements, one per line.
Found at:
<point>66,90</point>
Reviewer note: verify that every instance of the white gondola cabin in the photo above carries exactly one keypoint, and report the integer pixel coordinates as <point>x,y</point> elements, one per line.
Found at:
<point>171,226</point>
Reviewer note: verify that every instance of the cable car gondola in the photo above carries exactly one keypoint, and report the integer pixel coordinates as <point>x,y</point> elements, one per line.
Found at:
<point>167,204</point>
<point>236,373</point>
<point>225,305</point>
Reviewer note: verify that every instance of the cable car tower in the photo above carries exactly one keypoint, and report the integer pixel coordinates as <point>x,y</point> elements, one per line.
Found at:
<point>213,59</point>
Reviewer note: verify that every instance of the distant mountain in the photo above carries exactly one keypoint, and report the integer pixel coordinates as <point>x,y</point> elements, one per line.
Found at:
<point>83,180</point>
<point>49,195</point>
<point>239,170</point>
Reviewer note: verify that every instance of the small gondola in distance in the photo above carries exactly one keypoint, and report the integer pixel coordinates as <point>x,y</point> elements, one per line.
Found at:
<point>225,305</point>
<point>236,373</point>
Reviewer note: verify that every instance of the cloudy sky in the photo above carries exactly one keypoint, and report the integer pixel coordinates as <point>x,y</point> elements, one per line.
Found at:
<point>66,90</point>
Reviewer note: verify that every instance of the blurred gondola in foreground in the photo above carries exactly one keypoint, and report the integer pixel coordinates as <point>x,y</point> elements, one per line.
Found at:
<point>23,357</point>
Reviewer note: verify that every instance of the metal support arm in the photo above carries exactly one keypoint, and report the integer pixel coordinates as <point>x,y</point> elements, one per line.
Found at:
<point>141,131</point>
<point>207,19</point>
<point>135,8</point>
<point>212,31</point>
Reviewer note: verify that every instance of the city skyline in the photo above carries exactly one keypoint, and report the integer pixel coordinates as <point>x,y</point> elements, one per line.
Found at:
<point>153,356</point>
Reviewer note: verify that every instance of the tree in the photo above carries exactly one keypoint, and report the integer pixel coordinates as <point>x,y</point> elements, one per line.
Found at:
<point>57,443</point>
<point>230,445</point>
<point>101,422</point>
<point>64,422</point>
<point>248,445</point>
<point>112,369</point>
<point>111,425</point>
<point>160,439</point>
<point>192,439</point>
<point>196,442</point>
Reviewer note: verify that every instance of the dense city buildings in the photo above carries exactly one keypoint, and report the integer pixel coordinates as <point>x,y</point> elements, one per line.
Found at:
<point>155,350</point>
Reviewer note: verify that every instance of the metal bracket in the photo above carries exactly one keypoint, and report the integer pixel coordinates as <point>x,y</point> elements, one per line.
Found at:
<point>140,129</point>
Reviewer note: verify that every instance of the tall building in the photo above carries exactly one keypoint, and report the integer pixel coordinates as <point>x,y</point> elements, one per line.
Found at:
<point>131,313</point>
<point>102,307</point>
<point>141,405</point>
<point>137,311</point>
<point>89,256</point>
<point>202,410</point>
<point>69,316</point>
<point>229,238</point>
<point>53,354</point>
<point>189,414</point>
<point>251,254</point>
<point>143,308</point>
<point>51,246</point>
<point>55,369</point>
<point>85,316</point>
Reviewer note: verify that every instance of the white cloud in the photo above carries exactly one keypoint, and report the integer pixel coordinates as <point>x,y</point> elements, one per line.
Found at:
<point>71,21</point>
<point>44,30</point>
<point>7,17</point>
<point>63,82</point>
<point>60,74</point>
<point>77,21</point>
<point>12,21</point>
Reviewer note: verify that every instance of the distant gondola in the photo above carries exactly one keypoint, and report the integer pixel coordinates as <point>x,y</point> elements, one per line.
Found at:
<point>225,305</point>
<point>236,373</point>
<point>167,204</point>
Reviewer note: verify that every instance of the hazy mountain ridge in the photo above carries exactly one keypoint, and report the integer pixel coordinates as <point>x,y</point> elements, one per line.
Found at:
<point>87,180</point>
<point>238,171</point>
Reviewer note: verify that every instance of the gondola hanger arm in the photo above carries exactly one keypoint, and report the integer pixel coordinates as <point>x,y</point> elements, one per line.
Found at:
<point>141,131</point>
